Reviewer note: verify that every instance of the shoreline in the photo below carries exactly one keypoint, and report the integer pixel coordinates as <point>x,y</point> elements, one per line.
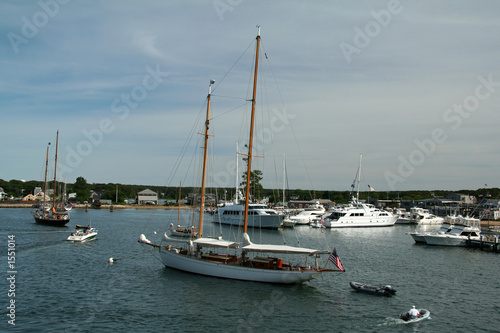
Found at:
<point>486,224</point>
<point>103,207</point>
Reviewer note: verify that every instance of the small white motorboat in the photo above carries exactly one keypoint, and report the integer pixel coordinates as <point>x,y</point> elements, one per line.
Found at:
<point>82,234</point>
<point>423,315</point>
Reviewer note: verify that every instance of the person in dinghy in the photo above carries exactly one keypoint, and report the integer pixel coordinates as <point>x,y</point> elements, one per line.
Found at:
<point>412,314</point>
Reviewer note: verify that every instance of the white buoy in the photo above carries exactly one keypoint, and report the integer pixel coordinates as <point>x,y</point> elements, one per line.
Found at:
<point>111,260</point>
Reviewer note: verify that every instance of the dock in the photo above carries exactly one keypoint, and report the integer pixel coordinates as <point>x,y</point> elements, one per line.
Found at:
<point>486,242</point>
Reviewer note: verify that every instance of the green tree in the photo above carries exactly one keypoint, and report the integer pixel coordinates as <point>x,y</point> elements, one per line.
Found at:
<point>82,189</point>
<point>255,186</point>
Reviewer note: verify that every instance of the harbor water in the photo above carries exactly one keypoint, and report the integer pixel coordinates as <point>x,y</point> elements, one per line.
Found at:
<point>59,286</point>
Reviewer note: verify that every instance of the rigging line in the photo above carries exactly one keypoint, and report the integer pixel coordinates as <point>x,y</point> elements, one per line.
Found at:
<point>272,74</point>
<point>230,97</point>
<point>232,66</point>
<point>220,115</point>
<point>184,148</point>
<point>284,108</point>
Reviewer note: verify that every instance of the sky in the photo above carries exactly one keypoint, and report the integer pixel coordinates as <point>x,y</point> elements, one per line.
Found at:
<point>412,87</point>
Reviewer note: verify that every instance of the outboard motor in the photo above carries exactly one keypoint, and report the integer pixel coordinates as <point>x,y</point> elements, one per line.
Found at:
<point>389,289</point>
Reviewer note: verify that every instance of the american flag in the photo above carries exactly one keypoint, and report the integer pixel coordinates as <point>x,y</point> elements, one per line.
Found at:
<point>336,260</point>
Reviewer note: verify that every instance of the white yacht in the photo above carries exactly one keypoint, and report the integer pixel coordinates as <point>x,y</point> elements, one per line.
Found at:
<point>259,216</point>
<point>358,215</point>
<point>465,228</point>
<point>310,213</point>
<point>423,216</point>
<point>419,235</point>
<point>404,217</point>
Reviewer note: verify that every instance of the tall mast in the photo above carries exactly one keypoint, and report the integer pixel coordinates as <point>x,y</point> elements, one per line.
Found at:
<point>250,143</point>
<point>179,206</point>
<point>55,172</point>
<point>237,196</point>
<point>359,176</point>
<point>45,181</point>
<point>207,123</point>
<point>284,178</point>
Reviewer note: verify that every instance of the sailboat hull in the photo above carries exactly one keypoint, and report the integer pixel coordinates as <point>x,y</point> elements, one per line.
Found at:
<point>254,221</point>
<point>47,220</point>
<point>234,271</point>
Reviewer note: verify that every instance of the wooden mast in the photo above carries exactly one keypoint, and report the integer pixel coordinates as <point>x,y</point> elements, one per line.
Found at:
<point>45,182</point>
<point>55,174</point>
<point>205,147</point>
<point>250,143</point>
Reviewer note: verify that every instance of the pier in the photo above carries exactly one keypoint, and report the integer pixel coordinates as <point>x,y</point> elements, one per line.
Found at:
<point>486,242</point>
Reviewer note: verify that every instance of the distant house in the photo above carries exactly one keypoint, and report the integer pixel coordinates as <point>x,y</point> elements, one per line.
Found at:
<point>3,195</point>
<point>39,196</point>
<point>461,198</point>
<point>147,197</point>
<point>29,197</point>
<point>95,197</point>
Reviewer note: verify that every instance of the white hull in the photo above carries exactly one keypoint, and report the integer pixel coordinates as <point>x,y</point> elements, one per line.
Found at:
<point>469,228</point>
<point>417,237</point>
<point>288,223</point>
<point>431,221</point>
<point>385,221</point>
<point>403,220</point>
<point>83,238</point>
<point>448,240</point>
<point>234,271</point>
<point>308,215</point>
<point>254,221</point>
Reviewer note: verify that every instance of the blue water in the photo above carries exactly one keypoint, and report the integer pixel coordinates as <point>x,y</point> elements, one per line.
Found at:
<point>63,286</point>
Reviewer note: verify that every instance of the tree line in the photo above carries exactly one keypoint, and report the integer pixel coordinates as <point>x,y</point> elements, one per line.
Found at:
<point>19,189</point>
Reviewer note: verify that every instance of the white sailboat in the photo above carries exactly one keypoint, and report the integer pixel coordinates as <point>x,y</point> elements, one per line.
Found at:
<point>200,255</point>
<point>181,231</point>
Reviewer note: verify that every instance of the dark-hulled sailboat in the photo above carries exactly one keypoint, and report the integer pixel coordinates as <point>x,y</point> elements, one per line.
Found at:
<point>51,216</point>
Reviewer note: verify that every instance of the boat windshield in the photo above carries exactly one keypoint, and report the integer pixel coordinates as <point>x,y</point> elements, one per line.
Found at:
<point>336,215</point>
<point>258,207</point>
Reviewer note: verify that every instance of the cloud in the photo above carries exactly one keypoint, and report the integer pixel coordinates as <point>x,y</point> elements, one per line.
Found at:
<point>394,92</point>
